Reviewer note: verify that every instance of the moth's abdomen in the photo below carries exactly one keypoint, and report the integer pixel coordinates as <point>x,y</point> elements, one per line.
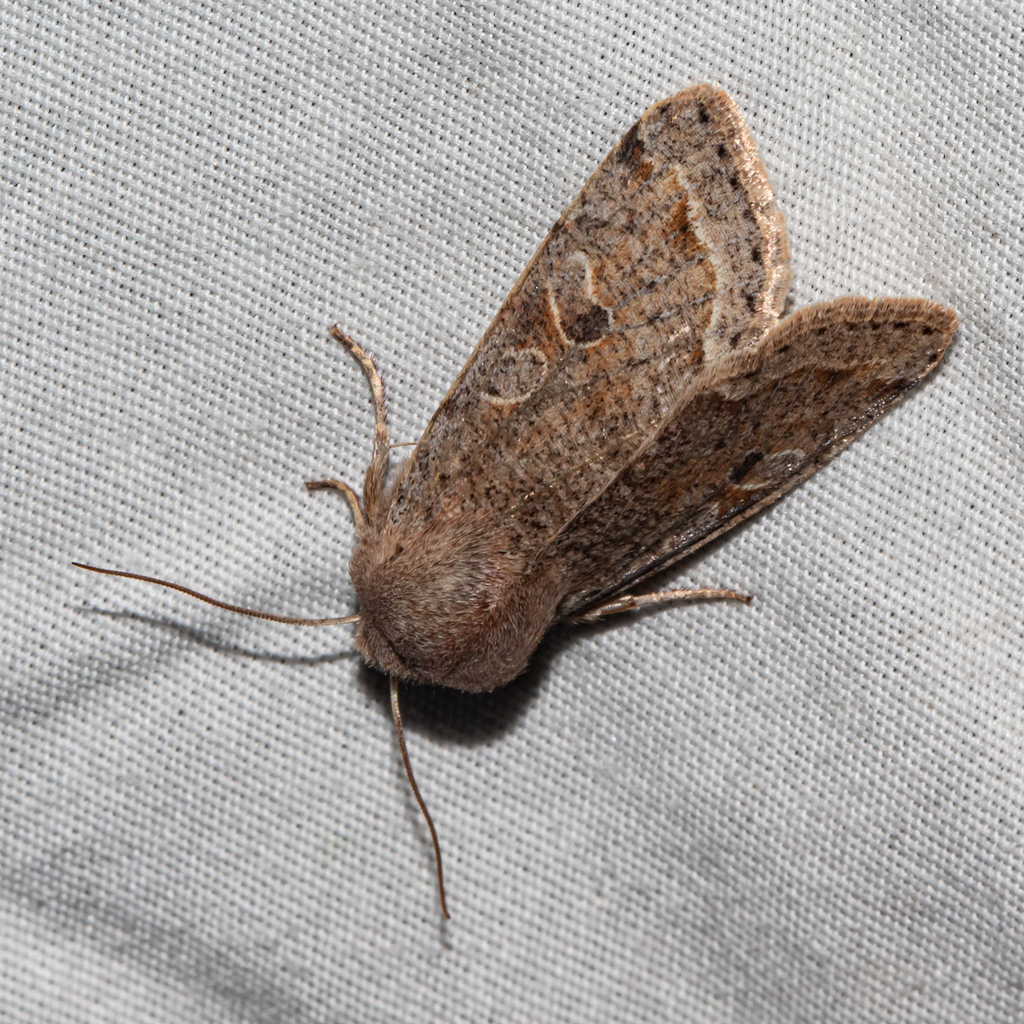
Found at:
<point>447,605</point>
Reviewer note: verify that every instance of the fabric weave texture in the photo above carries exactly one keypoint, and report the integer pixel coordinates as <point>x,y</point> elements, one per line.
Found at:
<point>808,809</point>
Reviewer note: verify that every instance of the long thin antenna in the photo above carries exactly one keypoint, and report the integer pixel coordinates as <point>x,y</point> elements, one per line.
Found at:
<point>400,733</point>
<point>290,620</point>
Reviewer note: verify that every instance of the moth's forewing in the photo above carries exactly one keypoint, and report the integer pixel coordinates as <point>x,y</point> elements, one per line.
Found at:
<point>749,430</point>
<point>634,397</point>
<point>673,255</point>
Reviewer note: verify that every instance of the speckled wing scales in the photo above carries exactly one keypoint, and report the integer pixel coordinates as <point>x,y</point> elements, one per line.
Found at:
<point>671,259</point>
<point>748,432</point>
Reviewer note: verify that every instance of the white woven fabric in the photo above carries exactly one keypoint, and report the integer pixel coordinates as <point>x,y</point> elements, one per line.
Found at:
<point>809,809</point>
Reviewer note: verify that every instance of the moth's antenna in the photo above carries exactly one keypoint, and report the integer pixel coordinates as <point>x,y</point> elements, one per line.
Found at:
<point>400,733</point>
<point>289,619</point>
<point>373,485</point>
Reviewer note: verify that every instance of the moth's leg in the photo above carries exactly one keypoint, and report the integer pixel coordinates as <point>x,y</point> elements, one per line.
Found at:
<point>378,468</point>
<point>350,495</point>
<point>630,602</point>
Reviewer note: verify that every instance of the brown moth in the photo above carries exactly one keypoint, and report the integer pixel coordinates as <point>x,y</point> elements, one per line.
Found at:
<point>635,397</point>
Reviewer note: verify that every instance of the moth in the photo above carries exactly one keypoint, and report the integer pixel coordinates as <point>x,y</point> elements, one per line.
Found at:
<point>635,397</point>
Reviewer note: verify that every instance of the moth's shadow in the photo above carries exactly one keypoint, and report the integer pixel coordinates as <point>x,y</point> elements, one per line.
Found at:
<point>456,716</point>
<point>439,711</point>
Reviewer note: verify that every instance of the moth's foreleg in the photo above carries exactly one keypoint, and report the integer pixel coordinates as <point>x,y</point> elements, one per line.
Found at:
<point>378,468</point>
<point>350,495</point>
<point>630,602</point>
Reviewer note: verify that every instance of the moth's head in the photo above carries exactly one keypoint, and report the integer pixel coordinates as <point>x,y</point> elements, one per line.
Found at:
<point>442,605</point>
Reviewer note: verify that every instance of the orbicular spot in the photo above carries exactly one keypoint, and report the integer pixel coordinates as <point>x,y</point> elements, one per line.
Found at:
<point>580,319</point>
<point>515,375</point>
<point>589,327</point>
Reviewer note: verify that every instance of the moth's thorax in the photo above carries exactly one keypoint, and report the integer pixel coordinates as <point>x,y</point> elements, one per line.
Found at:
<point>443,603</point>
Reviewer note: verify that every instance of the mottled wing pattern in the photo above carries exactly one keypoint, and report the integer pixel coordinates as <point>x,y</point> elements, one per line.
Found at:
<point>744,436</point>
<point>672,258</point>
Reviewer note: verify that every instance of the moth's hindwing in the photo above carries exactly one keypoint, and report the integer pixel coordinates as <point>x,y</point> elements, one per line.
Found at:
<point>747,432</point>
